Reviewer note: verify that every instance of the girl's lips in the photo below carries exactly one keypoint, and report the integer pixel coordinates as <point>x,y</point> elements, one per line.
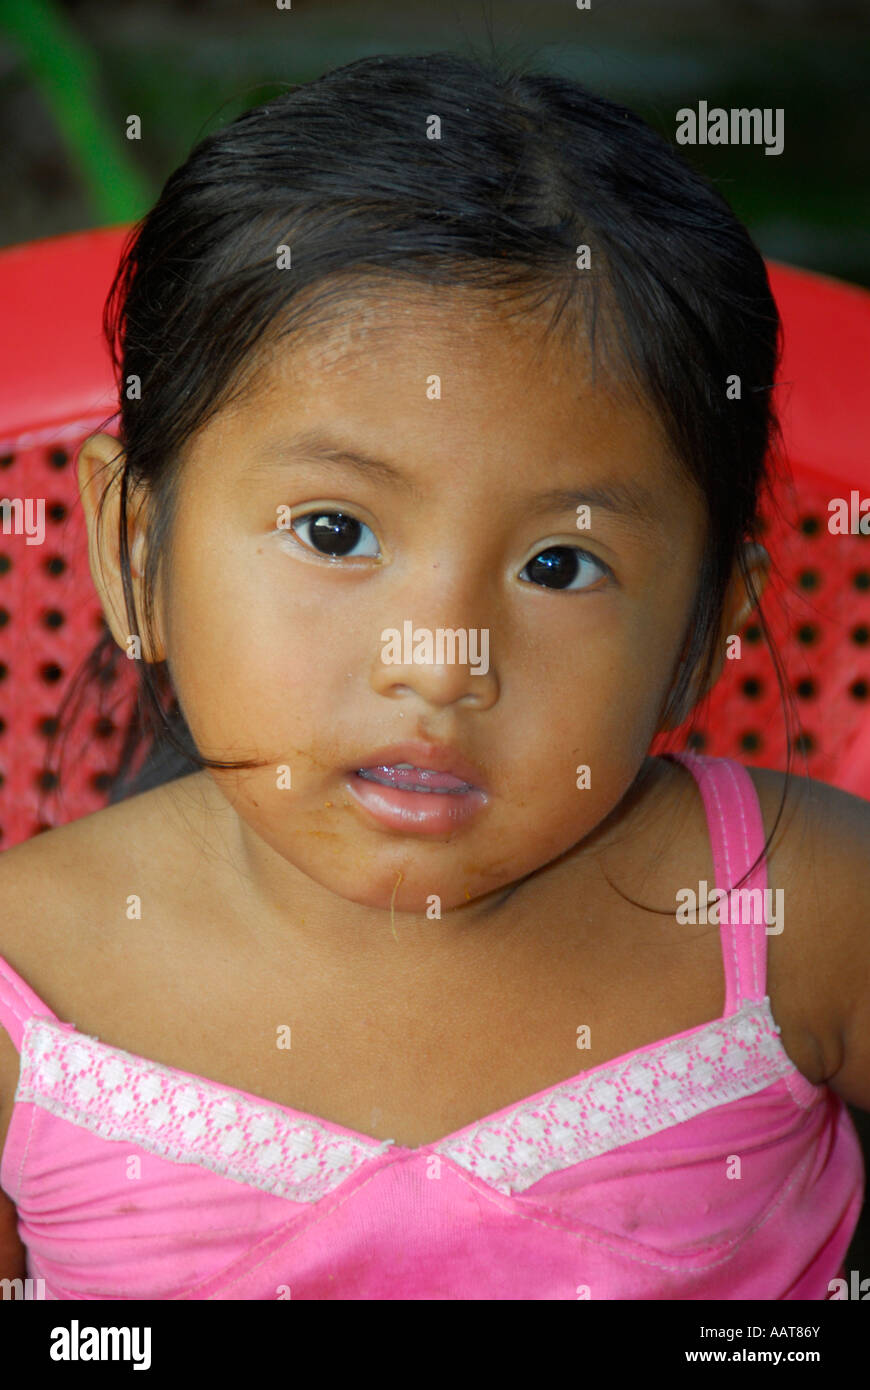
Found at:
<point>415,812</point>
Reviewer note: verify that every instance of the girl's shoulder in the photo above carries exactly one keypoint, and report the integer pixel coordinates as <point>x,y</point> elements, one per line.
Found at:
<point>85,915</point>
<point>60,887</point>
<point>71,900</point>
<point>820,858</point>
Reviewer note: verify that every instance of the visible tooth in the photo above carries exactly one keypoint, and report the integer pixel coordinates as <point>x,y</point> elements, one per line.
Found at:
<point>415,787</point>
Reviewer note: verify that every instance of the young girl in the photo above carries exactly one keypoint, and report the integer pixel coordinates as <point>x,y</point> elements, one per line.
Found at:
<point>428,510</point>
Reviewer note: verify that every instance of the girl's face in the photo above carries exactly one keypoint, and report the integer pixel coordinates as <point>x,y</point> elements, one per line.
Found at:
<point>472,423</point>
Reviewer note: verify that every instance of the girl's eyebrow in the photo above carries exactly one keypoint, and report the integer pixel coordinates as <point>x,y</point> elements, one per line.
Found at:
<point>315,445</point>
<point>629,500</point>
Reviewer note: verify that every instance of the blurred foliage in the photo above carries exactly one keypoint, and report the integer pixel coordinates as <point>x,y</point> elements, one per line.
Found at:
<point>187,66</point>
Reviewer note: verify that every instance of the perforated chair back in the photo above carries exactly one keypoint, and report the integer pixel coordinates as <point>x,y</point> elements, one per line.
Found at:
<point>817,604</point>
<point>56,387</point>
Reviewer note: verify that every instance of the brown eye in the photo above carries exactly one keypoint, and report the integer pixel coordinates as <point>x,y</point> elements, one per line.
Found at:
<point>559,566</point>
<point>334,534</point>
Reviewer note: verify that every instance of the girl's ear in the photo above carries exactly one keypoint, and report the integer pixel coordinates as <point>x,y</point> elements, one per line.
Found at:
<point>100,469</point>
<point>739,603</point>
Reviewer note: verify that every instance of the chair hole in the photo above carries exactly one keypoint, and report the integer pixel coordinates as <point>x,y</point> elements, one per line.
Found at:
<point>861,634</point>
<point>807,634</point>
<point>103,727</point>
<point>752,687</point>
<point>752,635</point>
<point>58,458</point>
<point>810,525</point>
<point>805,743</point>
<point>5,564</point>
<point>4,616</point>
<point>6,460</point>
<point>49,726</point>
<point>805,688</point>
<point>2,726</point>
<point>57,511</point>
<point>46,780</point>
<point>809,579</point>
<point>861,579</point>
<point>858,690</point>
<point>697,740</point>
<point>4,670</point>
<point>101,781</point>
<point>53,618</point>
<point>51,672</point>
<point>750,742</point>
<point>55,564</point>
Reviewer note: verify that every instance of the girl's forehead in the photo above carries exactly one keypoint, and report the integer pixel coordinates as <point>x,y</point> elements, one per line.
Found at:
<point>366,363</point>
<point>441,332</point>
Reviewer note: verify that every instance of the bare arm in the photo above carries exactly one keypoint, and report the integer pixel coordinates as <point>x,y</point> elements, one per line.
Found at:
<point>841,824</point>
<point>12,1253</point>
<point>11,1250</point>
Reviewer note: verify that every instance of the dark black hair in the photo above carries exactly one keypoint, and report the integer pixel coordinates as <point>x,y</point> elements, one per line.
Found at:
<point>529,166</point>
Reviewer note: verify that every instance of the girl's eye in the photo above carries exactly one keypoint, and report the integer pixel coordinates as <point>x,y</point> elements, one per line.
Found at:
<point>559,567</point>
<point>335,534</point>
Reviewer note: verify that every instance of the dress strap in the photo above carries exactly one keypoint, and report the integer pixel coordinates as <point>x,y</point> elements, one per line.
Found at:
<point>18,1004</point>
<point>736,830</point>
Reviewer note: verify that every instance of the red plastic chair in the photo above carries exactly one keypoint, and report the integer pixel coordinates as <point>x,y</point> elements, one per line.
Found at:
<point>56,386</point>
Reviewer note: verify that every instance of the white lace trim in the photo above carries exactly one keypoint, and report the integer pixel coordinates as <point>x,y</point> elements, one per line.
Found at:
<point>624,1100</point>
<point>184,1119</point>
<point>190,1120</point>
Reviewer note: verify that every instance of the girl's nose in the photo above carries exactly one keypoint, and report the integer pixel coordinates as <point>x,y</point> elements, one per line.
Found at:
<point>442,666</point>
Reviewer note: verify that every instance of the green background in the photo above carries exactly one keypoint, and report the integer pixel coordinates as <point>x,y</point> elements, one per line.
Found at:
<point>70,74</point>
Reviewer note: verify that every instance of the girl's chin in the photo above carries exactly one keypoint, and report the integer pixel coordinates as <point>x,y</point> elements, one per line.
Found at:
<point>420,895</point>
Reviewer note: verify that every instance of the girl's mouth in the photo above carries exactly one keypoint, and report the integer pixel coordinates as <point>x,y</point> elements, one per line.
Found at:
<point>415,800</point>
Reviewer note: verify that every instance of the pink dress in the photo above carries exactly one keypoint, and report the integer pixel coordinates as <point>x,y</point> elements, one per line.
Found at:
<point>702,1166</point>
